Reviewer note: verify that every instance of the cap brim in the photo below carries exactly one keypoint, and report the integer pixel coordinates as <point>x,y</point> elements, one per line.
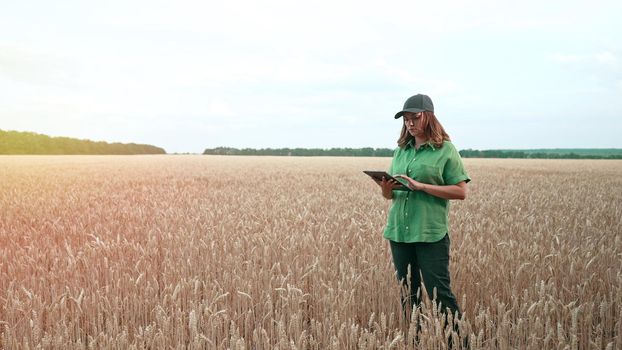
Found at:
<point>411,110</point>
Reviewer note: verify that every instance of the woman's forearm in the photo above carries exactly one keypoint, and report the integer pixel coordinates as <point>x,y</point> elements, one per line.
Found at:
<point>446,192</point>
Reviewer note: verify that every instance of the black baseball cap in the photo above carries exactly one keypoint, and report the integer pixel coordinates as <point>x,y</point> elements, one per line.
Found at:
<point>416,104</point>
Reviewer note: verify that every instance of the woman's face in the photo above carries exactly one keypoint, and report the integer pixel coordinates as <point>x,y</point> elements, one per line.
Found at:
<point>413,122</point>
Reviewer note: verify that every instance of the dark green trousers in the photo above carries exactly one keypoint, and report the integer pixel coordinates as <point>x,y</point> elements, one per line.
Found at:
<point>432,261</point>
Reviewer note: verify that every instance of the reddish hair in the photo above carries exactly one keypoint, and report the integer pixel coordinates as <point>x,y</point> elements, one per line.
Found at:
<point>432,129</point>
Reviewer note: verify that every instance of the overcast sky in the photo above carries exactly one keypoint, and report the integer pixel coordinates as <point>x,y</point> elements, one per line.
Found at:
<point>189,75</point>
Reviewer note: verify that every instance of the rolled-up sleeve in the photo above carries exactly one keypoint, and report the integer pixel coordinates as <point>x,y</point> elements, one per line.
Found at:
<point>454,171</point>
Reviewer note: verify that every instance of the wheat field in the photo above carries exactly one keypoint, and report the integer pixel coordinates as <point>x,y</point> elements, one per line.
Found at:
<point>209,252</point>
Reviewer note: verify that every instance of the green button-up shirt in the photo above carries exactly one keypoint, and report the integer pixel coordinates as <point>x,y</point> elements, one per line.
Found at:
<point>416,216</point>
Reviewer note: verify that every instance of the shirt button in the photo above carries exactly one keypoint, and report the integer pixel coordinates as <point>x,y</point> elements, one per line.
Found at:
<point>407,227</point>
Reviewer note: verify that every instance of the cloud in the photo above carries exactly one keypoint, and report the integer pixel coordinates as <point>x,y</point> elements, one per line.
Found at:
<point>603,57</point>
<point>25,64</point>
<point>221,107</point>
<point>606,57</point>
<point>558,57</point>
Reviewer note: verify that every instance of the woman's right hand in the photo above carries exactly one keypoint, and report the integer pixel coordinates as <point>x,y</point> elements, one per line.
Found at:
<point>387,187</point>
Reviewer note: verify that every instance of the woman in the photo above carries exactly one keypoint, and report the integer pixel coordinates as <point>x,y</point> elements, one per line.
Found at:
<point>417,227</point>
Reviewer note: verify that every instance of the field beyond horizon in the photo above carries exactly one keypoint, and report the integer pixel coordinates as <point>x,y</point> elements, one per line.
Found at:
<point>260,252</point>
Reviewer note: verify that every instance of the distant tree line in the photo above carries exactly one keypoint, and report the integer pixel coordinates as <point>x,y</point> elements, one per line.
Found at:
<point>553,154</point>
<point>16,142</point>
<point>387,152</point>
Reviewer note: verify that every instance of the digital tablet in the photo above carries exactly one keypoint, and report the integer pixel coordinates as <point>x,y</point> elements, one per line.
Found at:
<point>378,175</point>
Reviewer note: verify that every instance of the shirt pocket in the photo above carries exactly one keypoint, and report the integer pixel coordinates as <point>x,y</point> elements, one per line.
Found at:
<point>429,174</point>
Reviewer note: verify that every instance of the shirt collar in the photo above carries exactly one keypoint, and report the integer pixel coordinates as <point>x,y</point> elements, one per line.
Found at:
<point>411,143</point>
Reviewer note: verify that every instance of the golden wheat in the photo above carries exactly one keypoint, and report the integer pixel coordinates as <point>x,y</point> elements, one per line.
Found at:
<point>154,252</point>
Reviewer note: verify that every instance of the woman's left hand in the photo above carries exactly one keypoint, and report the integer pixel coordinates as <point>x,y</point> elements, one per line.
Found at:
<point>412,184</point>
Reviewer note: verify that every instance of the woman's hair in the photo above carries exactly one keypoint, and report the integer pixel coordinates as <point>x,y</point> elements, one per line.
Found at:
<point>432,129</point>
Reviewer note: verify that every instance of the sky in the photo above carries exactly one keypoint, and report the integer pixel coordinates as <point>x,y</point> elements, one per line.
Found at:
<point>189,75</point>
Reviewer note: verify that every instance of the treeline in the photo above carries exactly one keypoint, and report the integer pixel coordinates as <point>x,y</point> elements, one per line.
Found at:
<point>539,154</point>
<point>386,152</point>
<point>302,152</point>
<point>16,142</point>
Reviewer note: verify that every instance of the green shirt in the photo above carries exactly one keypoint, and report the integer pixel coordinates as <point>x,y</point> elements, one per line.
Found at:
<point>416,216</point>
